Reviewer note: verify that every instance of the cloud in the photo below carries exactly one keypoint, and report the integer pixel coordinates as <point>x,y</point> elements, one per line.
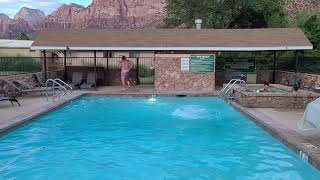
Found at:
<point>11,7</point>
<point>5,1</point>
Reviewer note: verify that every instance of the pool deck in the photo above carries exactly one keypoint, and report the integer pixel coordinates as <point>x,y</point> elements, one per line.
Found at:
<point>281,123</point>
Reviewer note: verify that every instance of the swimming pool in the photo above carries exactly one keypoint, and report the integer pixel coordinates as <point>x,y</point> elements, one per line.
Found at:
<point>271,89</point>
<point>142,138</point>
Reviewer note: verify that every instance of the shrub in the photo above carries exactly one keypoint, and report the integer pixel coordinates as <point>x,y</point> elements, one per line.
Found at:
<point>16,65</point>
<point>145,71</point>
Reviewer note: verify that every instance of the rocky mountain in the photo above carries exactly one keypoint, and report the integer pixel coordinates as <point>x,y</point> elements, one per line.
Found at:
<point>100,14</point>
<point>108,14</point>
<point>33,17</point>
<point>4,23</point>
<point>27,20</point>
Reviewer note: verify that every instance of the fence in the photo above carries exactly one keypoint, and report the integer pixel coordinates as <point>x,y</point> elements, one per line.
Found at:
<point>19,65</point>
<point>23,65</point>
<point>285,61</point>
<point>142,66</point>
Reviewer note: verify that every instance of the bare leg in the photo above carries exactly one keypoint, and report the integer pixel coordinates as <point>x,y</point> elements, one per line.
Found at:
<point>123,81</point>
<point>128,84</point>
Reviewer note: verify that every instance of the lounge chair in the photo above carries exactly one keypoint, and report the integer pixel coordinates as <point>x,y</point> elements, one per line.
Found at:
<point>317,88</point>
<point>91,81</point>
<point>76,80</point>
<point>37,80</point>
<point>10,99</point>
<point>25,87</point>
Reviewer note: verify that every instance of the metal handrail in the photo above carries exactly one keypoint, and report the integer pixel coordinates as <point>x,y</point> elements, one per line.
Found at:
<point>64,84</point>
<point>241,82</point>
<point>232,83</point>
<point>54,83</point>
<point>224,88</point>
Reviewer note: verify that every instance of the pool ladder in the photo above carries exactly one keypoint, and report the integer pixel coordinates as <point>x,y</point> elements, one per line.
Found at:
<point>226,92</point>
<point>57,85</point>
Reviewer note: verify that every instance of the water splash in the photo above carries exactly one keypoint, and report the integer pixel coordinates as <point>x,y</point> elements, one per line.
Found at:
<point>152,99</point>
<point>190,112</point>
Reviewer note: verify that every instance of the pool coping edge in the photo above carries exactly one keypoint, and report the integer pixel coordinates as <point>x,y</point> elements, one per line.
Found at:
<point>287,136</point>
<point>28,117</point>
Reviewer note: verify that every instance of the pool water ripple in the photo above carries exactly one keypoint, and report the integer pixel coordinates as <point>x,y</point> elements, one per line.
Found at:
<point>135,138</point>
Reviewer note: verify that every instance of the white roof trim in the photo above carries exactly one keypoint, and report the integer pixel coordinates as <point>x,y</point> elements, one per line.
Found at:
<point>15,44</point>
<point>275,48</point>
<point>48,48</point>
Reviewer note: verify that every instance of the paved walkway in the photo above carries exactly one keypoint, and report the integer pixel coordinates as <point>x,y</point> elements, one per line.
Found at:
<point>286,117</point>
<point>282,124</point>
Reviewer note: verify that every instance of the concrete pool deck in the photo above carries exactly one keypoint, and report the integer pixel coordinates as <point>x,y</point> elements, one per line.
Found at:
<point>281,123</point>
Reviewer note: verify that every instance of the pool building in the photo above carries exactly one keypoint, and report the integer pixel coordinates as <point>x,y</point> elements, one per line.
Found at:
<point>178,59</point>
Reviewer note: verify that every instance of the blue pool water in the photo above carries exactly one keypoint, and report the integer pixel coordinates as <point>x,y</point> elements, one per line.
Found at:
<point>141,138</point>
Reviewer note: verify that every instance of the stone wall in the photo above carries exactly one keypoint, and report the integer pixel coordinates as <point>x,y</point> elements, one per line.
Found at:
<point>307,81</point>
<point>291,100</point>
<point>264,76</point>
<point>169,77</point>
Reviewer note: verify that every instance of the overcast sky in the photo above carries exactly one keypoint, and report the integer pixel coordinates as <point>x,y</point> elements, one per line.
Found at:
<point>11,7</point>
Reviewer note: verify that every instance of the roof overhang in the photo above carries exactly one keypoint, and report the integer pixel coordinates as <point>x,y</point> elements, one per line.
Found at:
<point>275,48</point>
<point>272,39</point>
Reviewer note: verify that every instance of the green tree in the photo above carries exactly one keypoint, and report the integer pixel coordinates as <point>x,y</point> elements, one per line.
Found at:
<point>23,36</point>
<point>311,28</point>
<point>226,13</point>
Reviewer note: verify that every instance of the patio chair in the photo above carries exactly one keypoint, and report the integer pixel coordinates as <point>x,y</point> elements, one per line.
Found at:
<point>76,80</point>
<point>10,99</point>
<point>37,80</point>
<point>91,81</point>
<point>9,89</point>
<point>25,87</point>
<point>317,88</point>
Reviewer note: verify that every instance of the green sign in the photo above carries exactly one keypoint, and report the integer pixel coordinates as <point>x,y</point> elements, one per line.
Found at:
<point>202,63</point>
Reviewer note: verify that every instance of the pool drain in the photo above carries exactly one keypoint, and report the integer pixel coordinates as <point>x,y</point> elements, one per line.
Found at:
<point>181,95</point>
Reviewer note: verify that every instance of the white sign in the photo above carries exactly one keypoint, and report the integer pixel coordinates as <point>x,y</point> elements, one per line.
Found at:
<point>185,64</point>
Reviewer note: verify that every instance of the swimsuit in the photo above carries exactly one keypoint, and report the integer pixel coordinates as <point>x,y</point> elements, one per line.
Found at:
<point>125,75</point>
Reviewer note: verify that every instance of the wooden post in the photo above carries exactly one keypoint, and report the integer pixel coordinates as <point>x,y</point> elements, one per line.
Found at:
<point>65,64</point>
<point>95,69</point>
<point>45,65</point>
<point>274,68</point>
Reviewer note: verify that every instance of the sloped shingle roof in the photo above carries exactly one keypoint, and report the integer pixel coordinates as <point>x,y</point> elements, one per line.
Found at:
<point>175,39</point>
